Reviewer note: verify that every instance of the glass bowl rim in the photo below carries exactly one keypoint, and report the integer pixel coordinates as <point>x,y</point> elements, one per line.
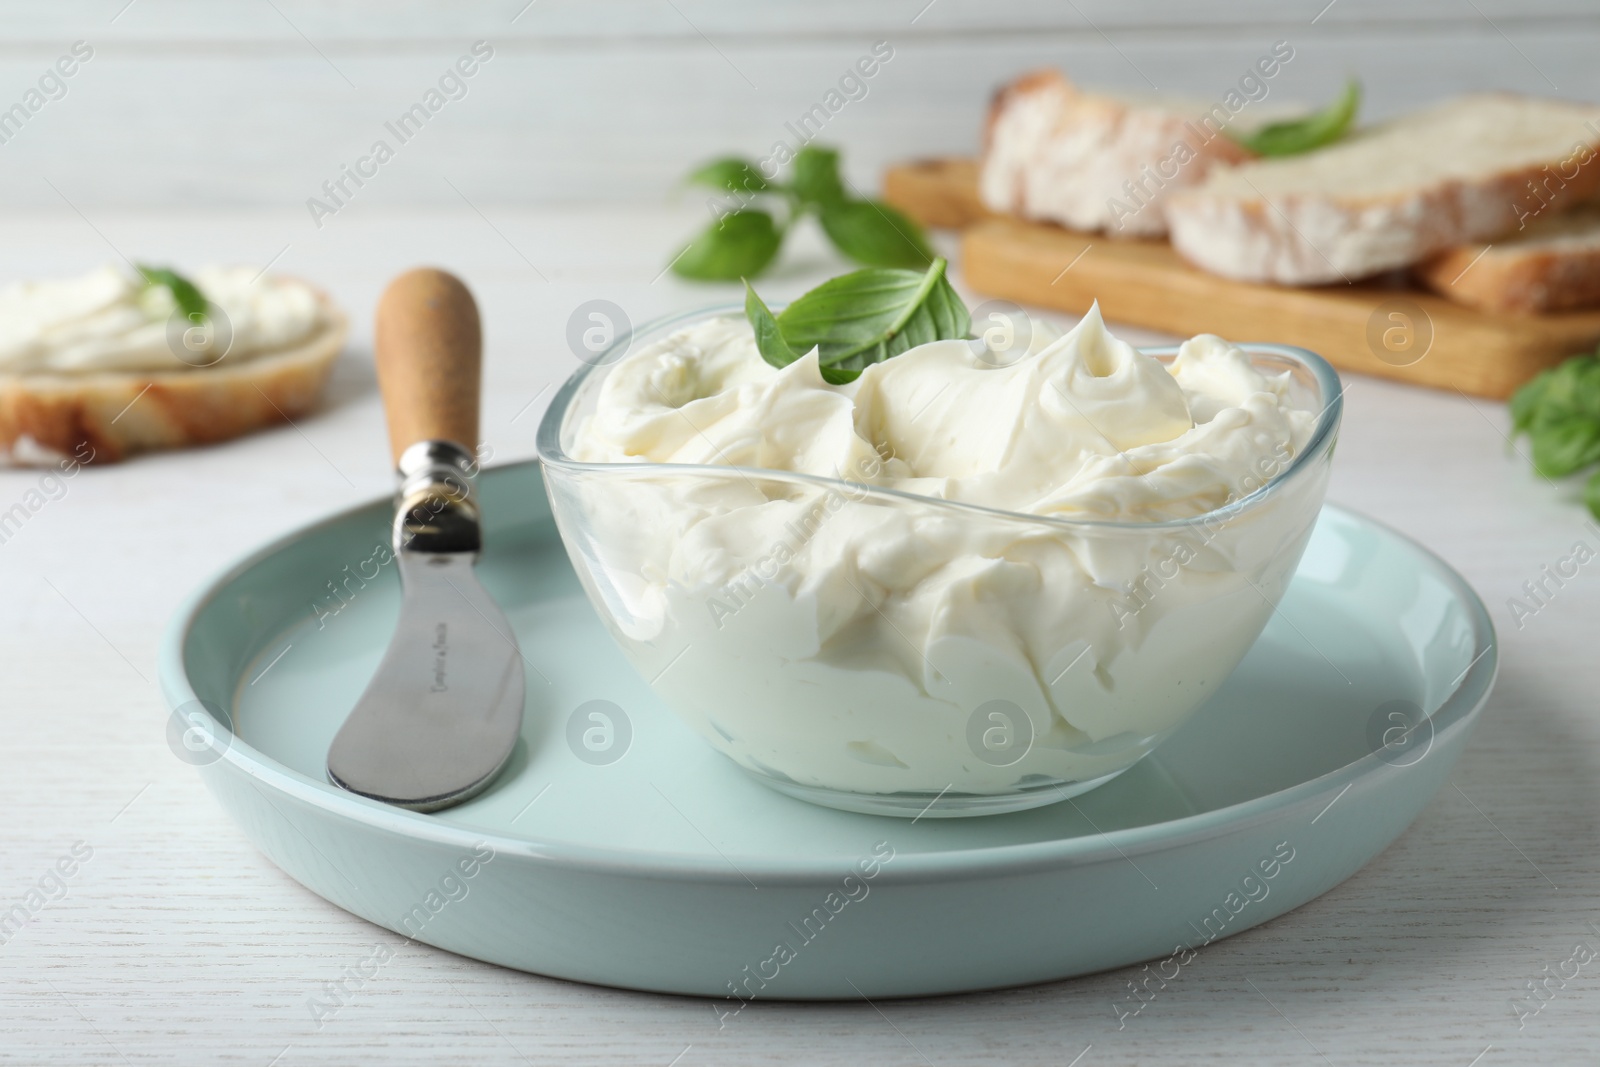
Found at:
<point>553,456</point>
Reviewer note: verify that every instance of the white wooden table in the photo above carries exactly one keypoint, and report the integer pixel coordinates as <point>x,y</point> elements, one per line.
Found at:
<point>176,942</point>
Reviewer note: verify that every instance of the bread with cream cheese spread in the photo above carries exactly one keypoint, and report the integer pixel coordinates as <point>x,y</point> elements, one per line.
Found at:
<point>108,415</point>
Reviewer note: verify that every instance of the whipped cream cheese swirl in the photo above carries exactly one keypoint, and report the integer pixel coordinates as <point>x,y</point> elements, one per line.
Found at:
<point>1083,424</point>
<point>843,639</point>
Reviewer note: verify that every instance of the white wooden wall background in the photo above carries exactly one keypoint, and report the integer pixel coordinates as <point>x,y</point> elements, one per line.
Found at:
<point>250,102</point>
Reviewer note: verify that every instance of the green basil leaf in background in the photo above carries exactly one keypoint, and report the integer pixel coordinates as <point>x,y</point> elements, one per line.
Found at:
<point>1560,412</point>
<point>185,293</point>
<point>1572,391</point>
<point>815,179</point>
<point>1527,401</point>
<point>876,235</point>
<point>1591,494</point>
<point>740,246</point>
<point>868,316</point>
<point>1302,135</point>
<point>1564,447</point>
<point>729,174</point>
<point>769,337</point>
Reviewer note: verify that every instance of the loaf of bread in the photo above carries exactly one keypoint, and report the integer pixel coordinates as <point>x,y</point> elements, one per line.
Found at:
<point>1092,161</point>
<point>1553,264</point>
<point>1470,170</point>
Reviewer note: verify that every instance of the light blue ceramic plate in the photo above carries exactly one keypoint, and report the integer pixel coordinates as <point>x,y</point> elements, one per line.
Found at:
<point>624,851</point>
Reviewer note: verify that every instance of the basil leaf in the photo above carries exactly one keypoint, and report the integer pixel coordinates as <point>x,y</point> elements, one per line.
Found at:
<point>866,317</point>
<point>769,338</point>
<point>1527,401</point>
<point>1573,390</point>
<point>876,235</point>
<point>1559,410</point>
<point>185,294</point>
<point>730,174</point>
<point>739,246</point>
<point>1302,135</point>
<point>746,241</point>
<point>816,177</point>
<point>1560,448</point>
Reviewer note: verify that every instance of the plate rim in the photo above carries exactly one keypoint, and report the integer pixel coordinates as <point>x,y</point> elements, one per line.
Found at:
<point>1456,713</point>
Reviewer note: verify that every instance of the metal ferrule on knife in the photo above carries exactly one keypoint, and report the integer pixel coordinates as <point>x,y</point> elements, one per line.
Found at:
<point>438,509</point>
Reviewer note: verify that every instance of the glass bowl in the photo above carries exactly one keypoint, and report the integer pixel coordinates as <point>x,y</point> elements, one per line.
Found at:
<point>1066,652</point>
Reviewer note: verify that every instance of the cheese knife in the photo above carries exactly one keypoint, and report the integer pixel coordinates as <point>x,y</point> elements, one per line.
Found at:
<point>442,714</point>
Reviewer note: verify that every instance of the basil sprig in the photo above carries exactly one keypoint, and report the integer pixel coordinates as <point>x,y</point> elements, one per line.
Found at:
<point>743,242</point>
<point>858,319</point>
<point>185,293</point>
<point>1559,411</point>
<point>742,245</point>
<point>1302,135</point>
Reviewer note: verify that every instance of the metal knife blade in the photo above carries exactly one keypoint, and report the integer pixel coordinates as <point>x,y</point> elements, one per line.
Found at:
<point>444,710</point>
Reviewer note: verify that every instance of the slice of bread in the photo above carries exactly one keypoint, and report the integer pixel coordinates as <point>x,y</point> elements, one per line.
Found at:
<point>1092,161</point>
<point>106,416</point>
<point>1467,170</point>
<point>1551,265</point>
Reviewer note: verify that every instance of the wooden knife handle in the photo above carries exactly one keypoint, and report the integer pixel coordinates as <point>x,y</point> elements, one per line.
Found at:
<point>429,353</point>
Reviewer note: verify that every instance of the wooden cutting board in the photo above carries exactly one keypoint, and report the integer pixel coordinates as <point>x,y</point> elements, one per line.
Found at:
<point>1385,328</point>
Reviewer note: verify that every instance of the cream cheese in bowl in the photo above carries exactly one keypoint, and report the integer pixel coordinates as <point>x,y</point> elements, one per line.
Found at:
<point>991,581</point>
